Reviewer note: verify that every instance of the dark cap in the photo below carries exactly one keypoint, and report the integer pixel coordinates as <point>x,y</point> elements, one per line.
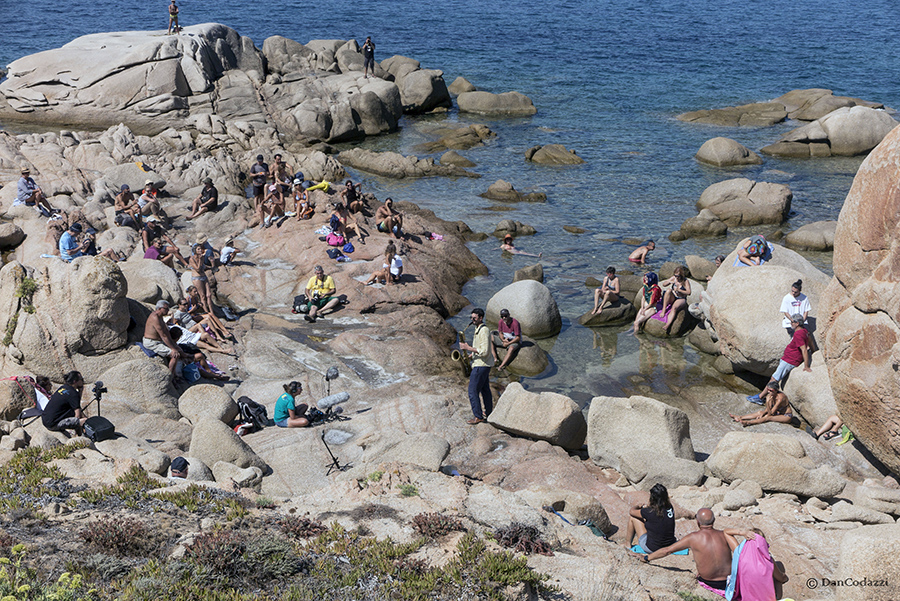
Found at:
<point>75,227</point>
<point>504,312</point>
<point>319,269</point>
<point>259,157</point>
<point>124,187</point>
<point>208,181</point>
<point>179,464</point>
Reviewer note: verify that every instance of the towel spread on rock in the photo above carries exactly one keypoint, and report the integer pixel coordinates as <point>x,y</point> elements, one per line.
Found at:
<point>751,571</point>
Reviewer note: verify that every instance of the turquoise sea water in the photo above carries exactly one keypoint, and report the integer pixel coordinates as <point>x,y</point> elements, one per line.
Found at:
<point>608,78</point>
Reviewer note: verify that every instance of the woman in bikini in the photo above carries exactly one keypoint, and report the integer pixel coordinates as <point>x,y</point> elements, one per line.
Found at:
<point>199,277</point>
<point>678,288</point>
<point>609,289</point>
<point>302,207</point>
<point>195,308</point>
<point>347,222</point>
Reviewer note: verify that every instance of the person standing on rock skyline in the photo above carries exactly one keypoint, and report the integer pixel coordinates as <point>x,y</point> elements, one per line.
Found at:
<point>173,19</point>
<point>482,361</point>
<point>368,51</point>
<point>259,174</point>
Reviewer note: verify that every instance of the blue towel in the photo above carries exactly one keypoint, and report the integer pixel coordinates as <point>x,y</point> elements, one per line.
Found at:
<point>147,351</point>
<point>729,592</point>
<point>640,550</point>
<point>762,259</point>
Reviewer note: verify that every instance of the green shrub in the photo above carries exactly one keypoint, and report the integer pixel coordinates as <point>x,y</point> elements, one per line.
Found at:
<point>119,535</point>
<point>434,525</point>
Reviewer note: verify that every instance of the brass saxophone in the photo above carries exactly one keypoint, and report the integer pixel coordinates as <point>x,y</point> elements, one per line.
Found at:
<point>457,354</point>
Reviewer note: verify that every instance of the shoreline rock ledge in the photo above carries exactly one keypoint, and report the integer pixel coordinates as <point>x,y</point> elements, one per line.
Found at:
<point>210,79</point>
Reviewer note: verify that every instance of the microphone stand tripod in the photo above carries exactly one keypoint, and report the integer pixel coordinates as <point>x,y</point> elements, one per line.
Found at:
<point>334,464</point>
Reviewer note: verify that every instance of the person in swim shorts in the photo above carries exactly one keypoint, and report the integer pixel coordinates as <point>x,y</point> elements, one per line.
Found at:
<point>639,255</point>
<point>388,220</point>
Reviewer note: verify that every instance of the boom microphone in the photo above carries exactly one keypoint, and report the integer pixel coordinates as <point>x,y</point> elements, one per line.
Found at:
<point>335,399</point>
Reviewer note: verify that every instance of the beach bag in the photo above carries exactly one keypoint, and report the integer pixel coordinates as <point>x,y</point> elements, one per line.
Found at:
<point>334,253</point>
<point>333,239</point>
<point>252,413</point>
<point>191,372</point>
<point>348,248</point>
<point>301,304</point>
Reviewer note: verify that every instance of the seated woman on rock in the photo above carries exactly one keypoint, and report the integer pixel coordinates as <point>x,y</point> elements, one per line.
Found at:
<point>272,207</point>
<point>609,289</point>
<point>195,308</point>
<point>304,208</point>
<point>678,288</point>
<point>391,269</point>
<point>653,523</point>
<point>187,320</point>
<point>651,297</point>
<point>346,222</point>
<point>753,251</point>
<point>287,413</point>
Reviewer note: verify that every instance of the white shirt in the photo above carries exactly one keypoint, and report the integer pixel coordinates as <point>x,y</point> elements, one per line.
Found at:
<point>791,305</point>
<point>396,265</point>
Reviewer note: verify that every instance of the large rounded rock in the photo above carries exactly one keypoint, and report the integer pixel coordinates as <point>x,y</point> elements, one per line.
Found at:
<point>812,236</point>
<point>505,192</point>
<point>532,272</point>
<point>531,359</point>
<point>870,553</point>
<point>79,309</point>
<point>123,448</point>
<point>150,281</point>
<point>810,392</point>
<point>144,385</point>
<point>212,441</point>
<point>531,304</point>
<point>742,201</point>
<point>552,154</point>
<point>725,152</point>
<point>545,416</point>
<point>511,104</point>
<point>847,131</point>
<point>633,426</point>
<point>744,306</point>
<point>706,223</point>
<point>207,401</point>
<point>814,103</point>
<point>424,90</point>
<point>758,114</point>
<point>614,314</point>
<point>16,395</point>
<point>247,477</point>
<point>461,85</point>
<point>862,344</point>
<point>11,235</point>
<point>776,462</point>
<point>700,268</point>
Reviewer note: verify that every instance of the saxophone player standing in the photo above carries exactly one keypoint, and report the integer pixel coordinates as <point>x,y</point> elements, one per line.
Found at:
<point>482,361</point>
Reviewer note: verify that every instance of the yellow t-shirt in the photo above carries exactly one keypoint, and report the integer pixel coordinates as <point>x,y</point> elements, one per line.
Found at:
<point>320,286</point>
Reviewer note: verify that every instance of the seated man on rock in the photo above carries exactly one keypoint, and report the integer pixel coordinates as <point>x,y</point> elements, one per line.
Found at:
<point>30,194</point>
<point>155,253</point>
<point>70,248</point>
<point>508,335</point>
<point>157,337</point>
<point>127,206</point>
<point>387,220</point>
<point>320,292</point>
<point>351,196</point>
<point>149,203</point>
<point>63,411</point>
<point>777,409</point>
<point>153,230</point>
<point>206,202</point>
<point>710,549</point>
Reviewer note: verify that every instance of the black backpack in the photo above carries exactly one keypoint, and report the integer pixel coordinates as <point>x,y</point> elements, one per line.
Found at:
<point>252,413</point>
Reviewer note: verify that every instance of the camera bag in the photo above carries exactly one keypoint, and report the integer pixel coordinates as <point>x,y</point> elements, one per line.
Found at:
<point>99,428</point>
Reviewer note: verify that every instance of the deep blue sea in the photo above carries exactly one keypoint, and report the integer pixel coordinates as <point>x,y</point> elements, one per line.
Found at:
<point>608,79</point>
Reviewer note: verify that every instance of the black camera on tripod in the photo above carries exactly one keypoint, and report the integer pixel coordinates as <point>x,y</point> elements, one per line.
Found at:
<point>99,389</point>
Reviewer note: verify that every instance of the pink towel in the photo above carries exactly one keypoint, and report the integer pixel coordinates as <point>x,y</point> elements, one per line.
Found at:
<point>660,316</point>
<point>709,588</point>
<point>754,578</point>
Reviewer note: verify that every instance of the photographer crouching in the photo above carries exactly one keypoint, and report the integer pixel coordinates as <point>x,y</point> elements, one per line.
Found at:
<point>320,292</point>
<point>63,411</point>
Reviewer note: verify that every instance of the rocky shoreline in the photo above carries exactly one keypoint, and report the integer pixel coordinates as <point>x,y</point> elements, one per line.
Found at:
<point>231,101</point>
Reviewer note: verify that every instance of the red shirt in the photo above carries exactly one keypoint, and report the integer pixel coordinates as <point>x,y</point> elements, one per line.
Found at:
<point>152,253</point>
<point>513,329</point>
<point>792,352</point>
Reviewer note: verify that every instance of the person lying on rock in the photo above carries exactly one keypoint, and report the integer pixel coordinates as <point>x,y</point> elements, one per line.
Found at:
<point>287,413</point>
<point>351,196</point>
<point>609,290</point>
<point>206,202</point>
<point>709,548</point>
<point>63,411</point>
<point>70,248</point>
<point>677,288</point>
<point>30,194</point>
<point>149,203</point>
<point>195,308</point>
<point>639,255</point>
<point>153,230</point>
<point>320,294</point>
<point>157,337</point>
<point>508,335</point>
<point>796,353</point>
<point>777,408</point>
<point>753,250</point>
<point>126,204</point>
<point>830,429</point>
<point>389,221</point>
<point>509,246</point>
<point>201,340</point>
